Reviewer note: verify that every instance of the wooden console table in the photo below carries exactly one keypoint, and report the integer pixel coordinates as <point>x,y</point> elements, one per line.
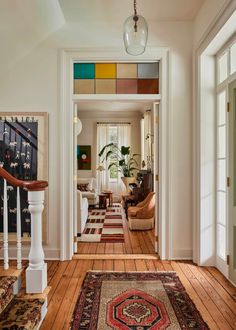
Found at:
<point>102,201</point>
<point>109,195</point>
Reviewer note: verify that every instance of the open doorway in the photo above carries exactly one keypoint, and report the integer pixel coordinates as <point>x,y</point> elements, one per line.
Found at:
<point>105,228</point>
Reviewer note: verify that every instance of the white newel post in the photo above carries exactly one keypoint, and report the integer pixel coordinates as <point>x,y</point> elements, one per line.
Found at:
<point>36,273</point>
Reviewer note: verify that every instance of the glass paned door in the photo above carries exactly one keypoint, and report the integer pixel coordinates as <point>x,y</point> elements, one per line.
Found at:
<point>232,187</point>
<point>221,182</point>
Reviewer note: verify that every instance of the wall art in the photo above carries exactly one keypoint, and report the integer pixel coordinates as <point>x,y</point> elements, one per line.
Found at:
<point>24,154</point>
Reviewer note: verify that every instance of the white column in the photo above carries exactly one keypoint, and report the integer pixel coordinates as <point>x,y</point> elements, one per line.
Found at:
<point>36,273</point>
<point>18,230</point>
<point>5,227</point>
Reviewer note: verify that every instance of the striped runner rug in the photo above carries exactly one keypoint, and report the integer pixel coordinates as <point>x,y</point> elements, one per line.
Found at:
<point>104,226</point>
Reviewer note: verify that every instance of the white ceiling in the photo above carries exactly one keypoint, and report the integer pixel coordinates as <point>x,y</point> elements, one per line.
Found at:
<point>25,24</point>
<point>118,10</point>
<point>113,106</point>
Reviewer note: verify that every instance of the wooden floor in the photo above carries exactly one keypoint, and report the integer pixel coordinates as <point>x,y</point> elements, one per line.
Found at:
<point>212,294</point>
<point>136,242</point>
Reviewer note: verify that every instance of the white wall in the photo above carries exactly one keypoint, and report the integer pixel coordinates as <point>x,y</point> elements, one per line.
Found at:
<point>88,135</point>
<point>206,17</point>
<point>32,84</point>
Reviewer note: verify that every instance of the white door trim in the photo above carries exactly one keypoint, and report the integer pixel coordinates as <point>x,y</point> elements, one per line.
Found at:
<point>67,58</point>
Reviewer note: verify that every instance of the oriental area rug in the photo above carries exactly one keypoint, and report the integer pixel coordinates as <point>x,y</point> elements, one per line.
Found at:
<point>135,301</point>
<point>105,226</point>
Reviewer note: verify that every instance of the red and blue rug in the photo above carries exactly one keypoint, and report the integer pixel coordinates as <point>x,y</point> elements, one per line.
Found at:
<point>104,226</point>
<point>135,301</point>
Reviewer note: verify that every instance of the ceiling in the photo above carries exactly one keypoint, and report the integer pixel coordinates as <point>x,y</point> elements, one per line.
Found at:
<point>118,10</point>
<point>113,106</point>
<point>25,24</point>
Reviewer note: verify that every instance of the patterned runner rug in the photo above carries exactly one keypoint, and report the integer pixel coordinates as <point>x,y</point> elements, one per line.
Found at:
<point>137,301</point>
<point>104,226</point>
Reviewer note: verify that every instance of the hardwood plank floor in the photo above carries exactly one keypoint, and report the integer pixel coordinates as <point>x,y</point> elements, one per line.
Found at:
<point>213,295</point>
<point>136,242</point>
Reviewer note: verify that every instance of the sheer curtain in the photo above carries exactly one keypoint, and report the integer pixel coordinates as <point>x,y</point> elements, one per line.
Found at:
<point>124,139</point>
<point>102,140</point>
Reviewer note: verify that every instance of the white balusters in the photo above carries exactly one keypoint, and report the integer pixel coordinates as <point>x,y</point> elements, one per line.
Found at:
<point>18,230</point>
<point>36,273</point>
<point>5,227</point>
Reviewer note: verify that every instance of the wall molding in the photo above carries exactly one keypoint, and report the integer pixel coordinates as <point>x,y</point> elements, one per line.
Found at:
<point>67,57</point>
<point>49,253</point>
<point>182,254</point>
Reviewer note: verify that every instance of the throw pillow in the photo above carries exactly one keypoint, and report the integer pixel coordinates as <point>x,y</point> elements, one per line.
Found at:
<point>82,186</point>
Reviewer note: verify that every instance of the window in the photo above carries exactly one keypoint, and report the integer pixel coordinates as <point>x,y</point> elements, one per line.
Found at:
<point>120,134</point>
<point>223,67</point>
<point>233,58</point>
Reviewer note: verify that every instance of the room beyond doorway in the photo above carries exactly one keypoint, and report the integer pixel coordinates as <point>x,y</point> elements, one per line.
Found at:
<point>113,112</point>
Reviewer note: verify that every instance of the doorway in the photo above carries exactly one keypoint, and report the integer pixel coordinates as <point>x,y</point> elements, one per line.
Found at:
<point>111,114</point>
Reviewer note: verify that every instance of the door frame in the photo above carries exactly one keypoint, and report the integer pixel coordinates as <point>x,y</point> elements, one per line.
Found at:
<point>66,116</point>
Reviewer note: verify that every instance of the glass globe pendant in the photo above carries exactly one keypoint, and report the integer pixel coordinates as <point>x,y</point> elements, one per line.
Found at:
<point>135,33</point>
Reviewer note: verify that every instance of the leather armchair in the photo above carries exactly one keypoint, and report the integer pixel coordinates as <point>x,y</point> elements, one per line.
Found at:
<point>141,216</point>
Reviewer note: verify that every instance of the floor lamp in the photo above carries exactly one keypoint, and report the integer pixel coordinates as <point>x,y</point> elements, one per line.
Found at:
<point>101,169</point>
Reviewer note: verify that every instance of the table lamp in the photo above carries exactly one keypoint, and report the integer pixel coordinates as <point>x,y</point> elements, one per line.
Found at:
<point>100,168</point>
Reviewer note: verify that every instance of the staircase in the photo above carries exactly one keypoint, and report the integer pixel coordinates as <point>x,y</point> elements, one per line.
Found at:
<point>23,308</point>
<point>18,310</point>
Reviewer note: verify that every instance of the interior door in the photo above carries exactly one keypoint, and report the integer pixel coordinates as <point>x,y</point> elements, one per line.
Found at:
<point>155,156</point>
<point>232,185</point>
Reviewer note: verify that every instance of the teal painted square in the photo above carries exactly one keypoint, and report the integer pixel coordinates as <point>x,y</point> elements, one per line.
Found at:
<point>148,70</point>
<point>84,70</point>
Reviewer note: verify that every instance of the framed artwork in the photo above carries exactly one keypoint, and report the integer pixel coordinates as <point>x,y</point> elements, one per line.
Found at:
<point>24,154</point>
<point>84,157</point>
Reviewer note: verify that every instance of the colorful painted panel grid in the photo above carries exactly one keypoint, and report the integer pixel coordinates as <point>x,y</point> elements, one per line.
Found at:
<point>116,78</point>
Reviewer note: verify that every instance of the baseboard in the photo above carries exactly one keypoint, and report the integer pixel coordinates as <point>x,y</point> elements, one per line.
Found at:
<point>50,254</point>
<point>182,254</point>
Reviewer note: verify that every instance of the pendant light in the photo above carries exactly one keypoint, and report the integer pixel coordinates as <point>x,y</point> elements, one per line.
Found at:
<point>135,33</point>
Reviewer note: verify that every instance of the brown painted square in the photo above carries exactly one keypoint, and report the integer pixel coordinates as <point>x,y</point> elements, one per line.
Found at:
<point>148,86</point>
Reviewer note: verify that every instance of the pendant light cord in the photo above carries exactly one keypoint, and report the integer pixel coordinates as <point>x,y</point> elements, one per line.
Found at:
<point>135,8</point>
<point>135,18</point>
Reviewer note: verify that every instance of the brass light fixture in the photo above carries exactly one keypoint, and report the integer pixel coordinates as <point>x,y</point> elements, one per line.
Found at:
<point>135,33</point>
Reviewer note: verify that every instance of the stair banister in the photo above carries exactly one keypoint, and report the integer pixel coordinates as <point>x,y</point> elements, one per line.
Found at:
<point>36,273</point>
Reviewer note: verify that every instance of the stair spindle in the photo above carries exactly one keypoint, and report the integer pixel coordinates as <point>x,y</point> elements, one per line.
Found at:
<point>18,231</point>
<point>5,227</point>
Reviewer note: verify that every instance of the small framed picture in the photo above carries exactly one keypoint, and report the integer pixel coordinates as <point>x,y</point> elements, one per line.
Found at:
<point>84,157</point>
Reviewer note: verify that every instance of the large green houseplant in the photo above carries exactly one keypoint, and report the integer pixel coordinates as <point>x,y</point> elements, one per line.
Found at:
<point>122,160</point>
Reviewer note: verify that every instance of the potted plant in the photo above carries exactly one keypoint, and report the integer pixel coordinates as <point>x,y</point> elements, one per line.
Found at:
<point>123,160</point>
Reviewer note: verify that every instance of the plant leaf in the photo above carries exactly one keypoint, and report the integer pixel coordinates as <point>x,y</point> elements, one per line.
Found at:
<point>125,150</point>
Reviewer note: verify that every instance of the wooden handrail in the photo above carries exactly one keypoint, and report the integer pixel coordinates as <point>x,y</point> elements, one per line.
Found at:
<point>29,185</point>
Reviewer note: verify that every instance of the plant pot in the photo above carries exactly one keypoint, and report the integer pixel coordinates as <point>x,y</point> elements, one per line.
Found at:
<point>127,181</point>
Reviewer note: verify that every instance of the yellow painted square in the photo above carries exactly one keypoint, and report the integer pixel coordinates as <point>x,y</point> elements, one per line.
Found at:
<point>105,70</point>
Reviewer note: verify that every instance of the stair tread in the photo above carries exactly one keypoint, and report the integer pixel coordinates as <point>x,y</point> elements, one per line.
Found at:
<point>6,290</point>
<point>10,272</point>
<point>22,314</point>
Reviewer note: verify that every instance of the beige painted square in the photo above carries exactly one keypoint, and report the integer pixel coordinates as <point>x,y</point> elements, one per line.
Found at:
<point>105,86</point>
<point>127,70</point>
<point>84,86</point>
